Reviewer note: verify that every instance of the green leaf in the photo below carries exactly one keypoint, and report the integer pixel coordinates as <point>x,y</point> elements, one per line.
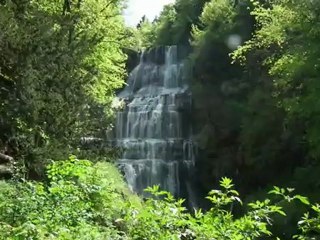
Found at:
<point>302,199</point>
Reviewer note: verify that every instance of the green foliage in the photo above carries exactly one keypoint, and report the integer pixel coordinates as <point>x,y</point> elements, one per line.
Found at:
<point>255,109</point>
<point>256,93</point>
<point>286,35</point>
<point>60,64</point>
<point>145,34</point>
<point>82,200</point>
<point>172,27</point>
<point>162,217</point>
<point>256,119</point>
<point>175,21</point>
<point>79,199</point>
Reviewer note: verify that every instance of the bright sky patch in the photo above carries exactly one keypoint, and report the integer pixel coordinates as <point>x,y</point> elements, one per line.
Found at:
<point>137,8</point>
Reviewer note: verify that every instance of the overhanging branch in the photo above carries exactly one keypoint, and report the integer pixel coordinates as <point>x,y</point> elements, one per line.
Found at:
<point>5,158</point>
<point>108,4</point>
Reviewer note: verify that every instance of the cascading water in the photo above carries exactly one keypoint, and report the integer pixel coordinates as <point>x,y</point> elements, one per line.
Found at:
<point>154,129</point>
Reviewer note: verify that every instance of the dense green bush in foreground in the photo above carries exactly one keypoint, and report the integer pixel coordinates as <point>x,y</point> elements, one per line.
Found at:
<point>82,200</point>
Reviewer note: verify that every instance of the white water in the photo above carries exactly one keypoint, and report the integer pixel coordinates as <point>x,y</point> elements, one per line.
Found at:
<point>153,129</point>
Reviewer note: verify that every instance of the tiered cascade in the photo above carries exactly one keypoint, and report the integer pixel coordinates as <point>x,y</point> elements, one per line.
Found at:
<point>153,129</point>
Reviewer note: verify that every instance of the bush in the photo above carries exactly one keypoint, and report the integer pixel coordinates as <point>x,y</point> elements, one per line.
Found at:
<point>82,200</point>
<point>79,199</point>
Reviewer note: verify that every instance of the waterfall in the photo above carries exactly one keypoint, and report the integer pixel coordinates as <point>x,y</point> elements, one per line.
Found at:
<point>154,129</point>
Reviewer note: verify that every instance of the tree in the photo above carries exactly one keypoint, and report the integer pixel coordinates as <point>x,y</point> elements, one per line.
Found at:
<point>60,63</point>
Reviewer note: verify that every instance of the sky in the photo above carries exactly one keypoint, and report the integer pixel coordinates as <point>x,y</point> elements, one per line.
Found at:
<point>137,8</point>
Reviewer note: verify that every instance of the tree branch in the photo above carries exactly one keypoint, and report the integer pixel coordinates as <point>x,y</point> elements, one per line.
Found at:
<point>66,7</point>
<point>108,4</point>
<point>5,158</point>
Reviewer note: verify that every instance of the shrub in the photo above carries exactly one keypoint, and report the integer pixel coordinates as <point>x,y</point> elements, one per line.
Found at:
<point>79,201</point>
<point>82,200</point>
